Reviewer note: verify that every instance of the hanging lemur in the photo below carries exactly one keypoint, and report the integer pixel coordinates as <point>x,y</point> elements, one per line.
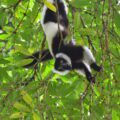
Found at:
<point>67,57</point>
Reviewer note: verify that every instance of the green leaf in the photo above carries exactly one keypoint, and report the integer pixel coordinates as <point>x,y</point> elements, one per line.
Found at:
<point>23,62</point>
<point>80,3</point>
<point>35,117</point>
<point>77,20</point>
<point>96,91</point>
<point>27,98</point>
<point>31,4</point>
<point>117,20</point>
<point>4,36</point>
<point>21,49</point>
<point>10,2</point>
<point>4,73</point>
<point>87,31</point>
<point>8,29</point>
<point>17,115</point>
<point>3,61</point>
<point>3,18</point>
<point>21,107</point>
<point>115,115</point>
<point>50,6</point>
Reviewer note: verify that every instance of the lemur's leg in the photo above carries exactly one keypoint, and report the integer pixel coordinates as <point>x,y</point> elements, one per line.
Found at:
<point>84,69</point>
<point>89,59</point>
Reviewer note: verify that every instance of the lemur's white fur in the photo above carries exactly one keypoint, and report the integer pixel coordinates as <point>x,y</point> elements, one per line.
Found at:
<point>61,72</point>
<point>51,28</point>
<point>88,59</point>
<point>88,56</point>
<point>65,57</point>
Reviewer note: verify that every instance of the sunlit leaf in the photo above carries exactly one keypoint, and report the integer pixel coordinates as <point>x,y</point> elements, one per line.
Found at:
<point>21,107</point>
<point>50,6</point>
<point>96,91</point>
<point>77,20</point>
<point>117,20</point>
<point>3,61</point>
<point>8,29</point>
<point>27,98</point>
<point>115,115</point>
<point>4,36</point>
<point>36,117</point>
<point>17,115</point>
<point>21,49</point>
<point>23,62</point>
<point>80,3</point>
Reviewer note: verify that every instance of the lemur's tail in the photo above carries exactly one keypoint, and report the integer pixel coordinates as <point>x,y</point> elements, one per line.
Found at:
<point>40,56</point>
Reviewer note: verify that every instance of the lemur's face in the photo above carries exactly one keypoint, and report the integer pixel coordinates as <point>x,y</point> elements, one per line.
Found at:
<point>61,64</point>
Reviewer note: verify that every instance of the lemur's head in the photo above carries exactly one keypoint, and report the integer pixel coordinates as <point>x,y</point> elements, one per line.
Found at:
<point>62,64</point>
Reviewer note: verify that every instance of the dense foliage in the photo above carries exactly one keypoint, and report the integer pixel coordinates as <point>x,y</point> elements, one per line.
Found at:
<point>38,93</point>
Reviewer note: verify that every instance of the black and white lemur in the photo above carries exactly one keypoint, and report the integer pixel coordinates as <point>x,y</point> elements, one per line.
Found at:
<point>67,57</point>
